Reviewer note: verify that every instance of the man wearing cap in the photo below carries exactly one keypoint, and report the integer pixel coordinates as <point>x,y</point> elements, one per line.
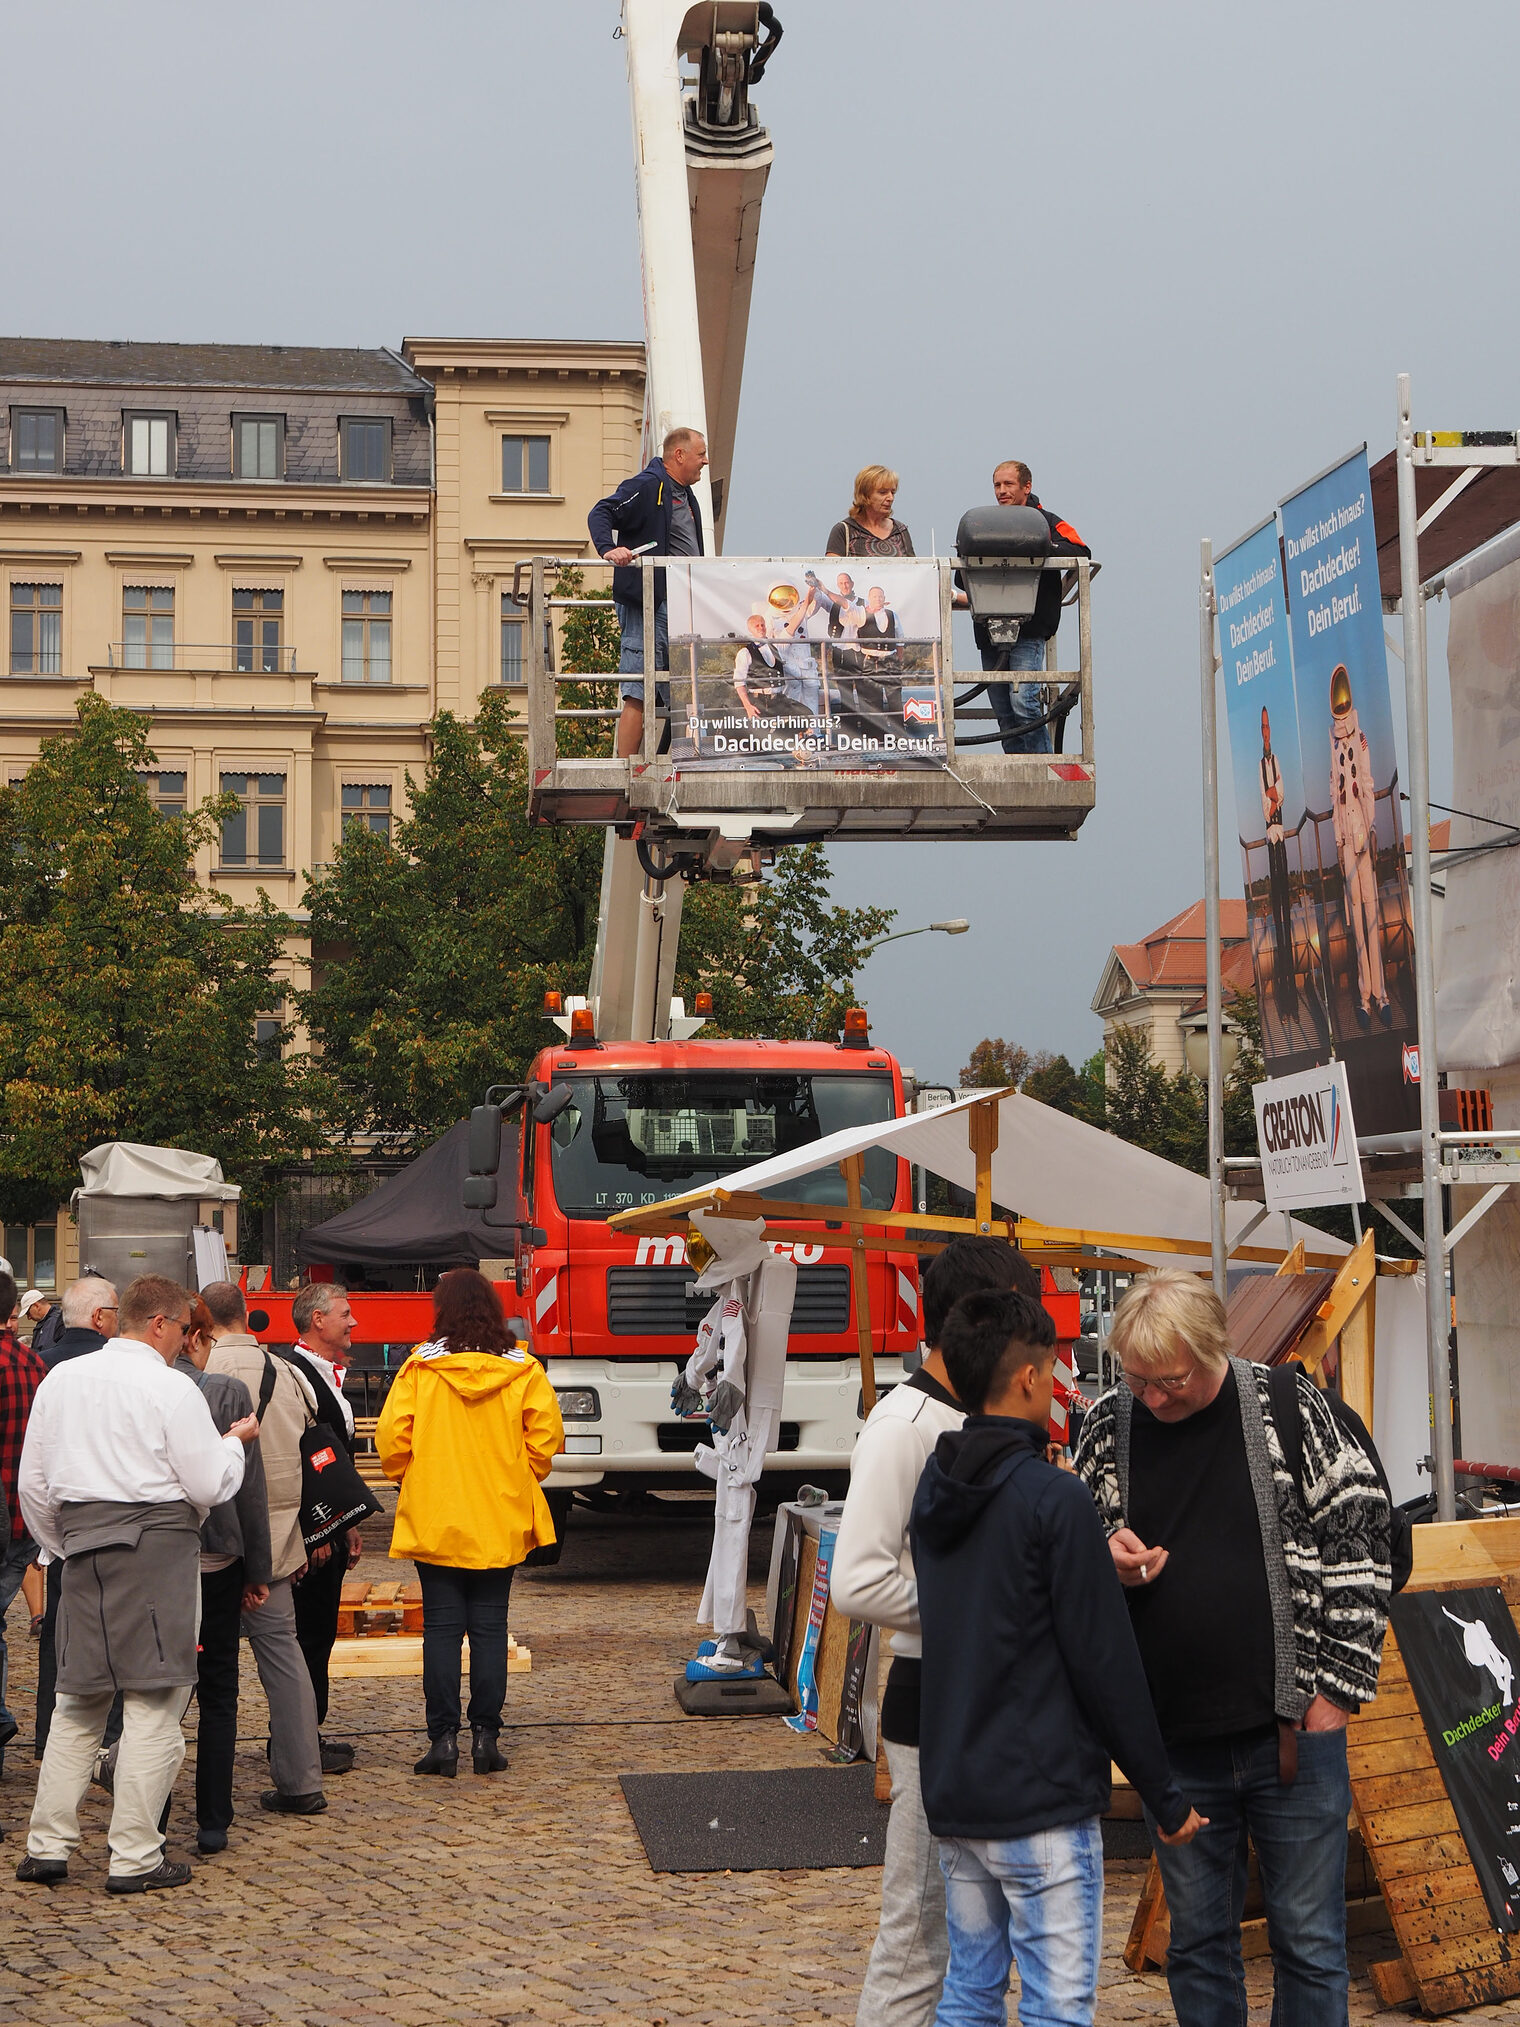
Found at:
<point>654,510</point>
<point>1353,811</point>
<point>40,1320</point>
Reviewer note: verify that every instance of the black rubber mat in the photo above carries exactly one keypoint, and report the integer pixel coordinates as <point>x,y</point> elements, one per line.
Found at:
<point>795,1819</point>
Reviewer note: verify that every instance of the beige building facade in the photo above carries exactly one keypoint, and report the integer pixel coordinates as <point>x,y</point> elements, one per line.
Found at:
<point>289,559</point>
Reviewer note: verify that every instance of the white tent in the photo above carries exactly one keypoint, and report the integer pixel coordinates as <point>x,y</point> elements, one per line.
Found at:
<point>1047,1166</point>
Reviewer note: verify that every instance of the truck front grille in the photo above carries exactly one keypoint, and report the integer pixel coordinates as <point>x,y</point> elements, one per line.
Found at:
<point>653,1302</point>
<point>685,1436</point>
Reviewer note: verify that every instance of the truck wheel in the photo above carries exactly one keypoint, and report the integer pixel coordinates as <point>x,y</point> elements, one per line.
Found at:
<point>560,1504</point>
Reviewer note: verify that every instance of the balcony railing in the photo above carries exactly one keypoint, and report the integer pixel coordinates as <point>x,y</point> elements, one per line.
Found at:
<point>219,658</point>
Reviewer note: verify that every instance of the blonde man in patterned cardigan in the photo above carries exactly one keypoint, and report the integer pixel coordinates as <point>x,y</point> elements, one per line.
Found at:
<point>1259,1597</point>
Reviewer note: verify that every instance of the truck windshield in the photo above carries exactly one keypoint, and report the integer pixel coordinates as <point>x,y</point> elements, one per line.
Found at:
<point>627,1140</point>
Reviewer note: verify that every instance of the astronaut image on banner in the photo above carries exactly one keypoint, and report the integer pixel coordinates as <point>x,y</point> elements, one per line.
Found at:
<point>1353,810</point>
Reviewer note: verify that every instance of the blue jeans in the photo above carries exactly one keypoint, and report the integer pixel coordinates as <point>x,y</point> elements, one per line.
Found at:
<point>1300,1837</point>
<point>1037,1901</point>
<point>14,1564</point>
<point>1015,704</point>
<point>631,651</point>
<point>456,1602</point>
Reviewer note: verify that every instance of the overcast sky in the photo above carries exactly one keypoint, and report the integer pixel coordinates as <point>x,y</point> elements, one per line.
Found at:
<point>1173,256</point>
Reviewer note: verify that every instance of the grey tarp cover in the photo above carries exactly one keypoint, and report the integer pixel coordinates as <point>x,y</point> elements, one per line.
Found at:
<point>419,1216</point>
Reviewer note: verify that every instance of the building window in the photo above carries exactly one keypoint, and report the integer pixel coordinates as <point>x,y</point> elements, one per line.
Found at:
<point>513,614</point>
<point>36,629</point>
<point>366,636</point>
<point>269,1035</point>
<point>258,445</point>
<point>147,626</point>
<point>366,449</point>
<point>256,835</point>
<point>525,464</point>
<point>367,805</point>
<point>258,619</point>
<point>33,1253</point>
<point>166,792</point>
<point>36,439</point>
<point>150,446</point>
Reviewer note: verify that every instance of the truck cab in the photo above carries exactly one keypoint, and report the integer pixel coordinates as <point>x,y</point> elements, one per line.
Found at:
<point>613,1317</point>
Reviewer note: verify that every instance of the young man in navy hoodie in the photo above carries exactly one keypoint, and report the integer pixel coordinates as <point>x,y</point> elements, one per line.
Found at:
<point>1031,1684</point>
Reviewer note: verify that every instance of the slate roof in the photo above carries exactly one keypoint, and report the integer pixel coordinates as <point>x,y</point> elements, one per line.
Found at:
<point>347,369</point>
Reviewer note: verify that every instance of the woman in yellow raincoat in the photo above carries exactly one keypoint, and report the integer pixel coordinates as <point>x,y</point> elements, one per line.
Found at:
<point>470,1427</point>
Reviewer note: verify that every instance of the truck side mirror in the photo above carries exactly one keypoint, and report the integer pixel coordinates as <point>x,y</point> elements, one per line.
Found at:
<point>485,1145</point>
<point>480,1192</point>
<point>553,1103</point>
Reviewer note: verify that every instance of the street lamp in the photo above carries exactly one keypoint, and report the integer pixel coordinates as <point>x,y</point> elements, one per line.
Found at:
<point>1195,1046</point>
<point>956,928</point>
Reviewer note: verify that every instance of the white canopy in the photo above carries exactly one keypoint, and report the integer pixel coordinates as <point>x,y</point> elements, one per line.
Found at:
<point>123,1168</point>
<point>1047,1166</point>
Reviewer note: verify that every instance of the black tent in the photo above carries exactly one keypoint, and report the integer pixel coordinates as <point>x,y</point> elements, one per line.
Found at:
<point>418,1219</point>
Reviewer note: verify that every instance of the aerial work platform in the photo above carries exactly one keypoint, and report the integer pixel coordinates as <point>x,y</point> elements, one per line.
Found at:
<point>806,699</point>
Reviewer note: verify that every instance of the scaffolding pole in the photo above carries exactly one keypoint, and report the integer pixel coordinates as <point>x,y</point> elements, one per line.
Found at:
<point>1215,1099</point>
<point>1417,718</point>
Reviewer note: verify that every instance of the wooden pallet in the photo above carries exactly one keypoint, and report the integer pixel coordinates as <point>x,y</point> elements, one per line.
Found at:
<point>401,1654</point>
<point>1450,1954</point>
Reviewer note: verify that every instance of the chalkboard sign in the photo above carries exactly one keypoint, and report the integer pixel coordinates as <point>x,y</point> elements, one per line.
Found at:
<point>1462,1652</point>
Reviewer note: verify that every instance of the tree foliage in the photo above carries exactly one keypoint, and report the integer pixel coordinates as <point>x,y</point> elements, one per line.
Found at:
<point>995,1063</point>
<point>131,994</point>
<point>433,953</point>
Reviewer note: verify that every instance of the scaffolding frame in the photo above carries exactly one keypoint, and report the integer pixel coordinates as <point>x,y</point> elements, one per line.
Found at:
<point>1490,1161</point>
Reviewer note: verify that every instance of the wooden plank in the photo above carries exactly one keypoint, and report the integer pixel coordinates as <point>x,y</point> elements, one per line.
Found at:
<point>982,1134</point>
<point>1293,1263</point>
<point>1444,1920</point>
<point>852,1168</point>
<point>1392,1982</point>
<point>1463,1953</point>
<point>1358,1340</point>
<point>1377,1792</point>
<point>1415,1819</point>
<point>1475,1551</point>
<point>1150,1930</point>
<point>1355,1276</point>
<point>1419,1856</point>
<point>1375,1730</point>
<point>1469,1988</point>
<point>1430,1889</point>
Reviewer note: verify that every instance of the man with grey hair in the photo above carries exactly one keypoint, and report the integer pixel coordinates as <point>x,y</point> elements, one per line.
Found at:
<point>322,1315</point>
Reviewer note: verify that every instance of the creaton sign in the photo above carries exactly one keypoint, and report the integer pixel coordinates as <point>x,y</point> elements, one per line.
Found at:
<point>1307,1140</point>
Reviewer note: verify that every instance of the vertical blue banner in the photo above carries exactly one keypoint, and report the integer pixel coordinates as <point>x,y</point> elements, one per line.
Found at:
<point>1281,887</point>
<point>1354,825</point>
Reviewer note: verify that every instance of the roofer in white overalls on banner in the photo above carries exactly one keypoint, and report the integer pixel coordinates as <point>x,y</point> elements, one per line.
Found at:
<point>1354,812</point>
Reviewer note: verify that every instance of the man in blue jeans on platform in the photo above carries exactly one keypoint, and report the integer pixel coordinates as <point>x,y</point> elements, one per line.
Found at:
<point>655,511</point>
<point>1031,1684</point>
<point>1019,707</point>
<point>1258,1590</point>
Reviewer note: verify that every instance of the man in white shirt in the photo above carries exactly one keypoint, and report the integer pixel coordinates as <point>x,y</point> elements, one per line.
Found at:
<point>322,1314</point>
<point>121,1464</point>
<point>872,1579</point>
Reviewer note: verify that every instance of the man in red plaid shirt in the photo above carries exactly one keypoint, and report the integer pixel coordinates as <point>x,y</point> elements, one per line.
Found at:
<point>21,1373</point>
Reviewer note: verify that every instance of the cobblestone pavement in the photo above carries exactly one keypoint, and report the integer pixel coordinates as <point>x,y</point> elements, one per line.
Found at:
<point>521,1899</point>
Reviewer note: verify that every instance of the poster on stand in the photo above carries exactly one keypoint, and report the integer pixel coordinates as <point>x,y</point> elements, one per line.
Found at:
<point>1307,1140</point>
<point>1282,887</point>
<point>1463,1656</point>
<point>1353,832</point>
<point>825,663</point>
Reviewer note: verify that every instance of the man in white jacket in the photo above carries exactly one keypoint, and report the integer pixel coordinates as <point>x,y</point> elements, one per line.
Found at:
<point>872,1579</point>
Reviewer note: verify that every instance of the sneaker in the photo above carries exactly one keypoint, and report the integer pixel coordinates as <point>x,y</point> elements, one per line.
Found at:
<point>166,1873</point>
<point>337,1755</point>
<point>280,1804</point>
<point>103,1774</point>
<point>209,1842</point>
<point>8,1729</point>
<point>45,1871</point>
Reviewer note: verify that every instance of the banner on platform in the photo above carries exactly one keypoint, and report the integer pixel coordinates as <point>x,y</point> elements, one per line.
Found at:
<point>1281,883</point>
<point>825,663</point>
<point>1354,823</point>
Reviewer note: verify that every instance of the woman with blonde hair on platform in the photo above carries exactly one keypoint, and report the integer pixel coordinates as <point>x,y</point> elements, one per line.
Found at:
<point>869,529</point>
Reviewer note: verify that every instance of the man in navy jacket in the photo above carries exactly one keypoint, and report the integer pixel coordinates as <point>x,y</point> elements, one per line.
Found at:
<point>1031,1682</point>
<point>656,510</point>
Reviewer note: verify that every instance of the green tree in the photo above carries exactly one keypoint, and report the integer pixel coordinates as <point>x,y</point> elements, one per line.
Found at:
<point>131,994</point>
<point>1056,1084</point>
<point>995,1063</point>
<point>1150,1109</point>
<point>433,954</point>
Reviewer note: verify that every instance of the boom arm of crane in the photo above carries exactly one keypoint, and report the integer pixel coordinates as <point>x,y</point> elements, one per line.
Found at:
<point>701,162</point>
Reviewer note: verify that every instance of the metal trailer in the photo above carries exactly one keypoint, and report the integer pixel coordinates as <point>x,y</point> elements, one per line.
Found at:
<point>1484,468</point>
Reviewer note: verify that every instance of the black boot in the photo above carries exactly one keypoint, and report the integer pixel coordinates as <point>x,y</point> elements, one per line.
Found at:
<point>484,1752</point>
<point>441,1757</point>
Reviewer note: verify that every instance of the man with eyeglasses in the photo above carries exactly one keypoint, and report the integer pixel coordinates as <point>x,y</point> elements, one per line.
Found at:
<point>122,1463</point>
<point>1258,1597</point>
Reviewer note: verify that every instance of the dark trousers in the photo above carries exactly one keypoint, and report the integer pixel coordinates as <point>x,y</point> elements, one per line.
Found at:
<point>316,1597</point>
<point>456,1602</point>
<point>216,1690</point>
<point>1300,1837</point>
<point>1284,982</point>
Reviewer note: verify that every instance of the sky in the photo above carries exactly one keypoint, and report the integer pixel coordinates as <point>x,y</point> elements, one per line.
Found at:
<point>1173,256</point>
